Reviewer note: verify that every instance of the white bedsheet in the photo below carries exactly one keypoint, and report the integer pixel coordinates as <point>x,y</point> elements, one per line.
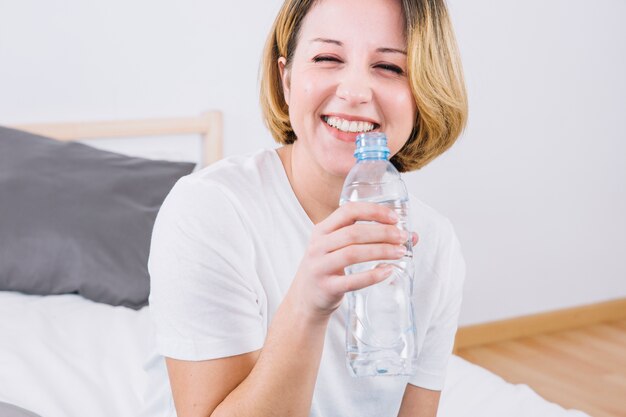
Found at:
<point>64,356</point>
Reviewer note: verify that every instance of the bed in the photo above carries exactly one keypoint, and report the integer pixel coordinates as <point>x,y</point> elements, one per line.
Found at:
<point>78,348</point>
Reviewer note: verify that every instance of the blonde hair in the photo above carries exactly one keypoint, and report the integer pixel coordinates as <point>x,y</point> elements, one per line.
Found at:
<point>434,71</point>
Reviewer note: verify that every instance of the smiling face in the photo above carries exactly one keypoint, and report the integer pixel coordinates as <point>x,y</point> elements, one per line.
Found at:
<point>348,75</point>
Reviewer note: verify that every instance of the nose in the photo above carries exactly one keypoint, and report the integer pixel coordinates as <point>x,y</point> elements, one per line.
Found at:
<point>355,89</point>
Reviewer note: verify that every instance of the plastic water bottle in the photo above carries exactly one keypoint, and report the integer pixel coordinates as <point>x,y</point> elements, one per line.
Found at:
<point>380,334</point>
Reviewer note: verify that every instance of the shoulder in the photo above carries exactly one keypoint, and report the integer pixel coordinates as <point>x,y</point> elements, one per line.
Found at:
<point>239,171</point>
<point>430,224</point>
<point>438,249</point>
<point>233,183</point>
<point>206,223</point>
<point>214,199</point>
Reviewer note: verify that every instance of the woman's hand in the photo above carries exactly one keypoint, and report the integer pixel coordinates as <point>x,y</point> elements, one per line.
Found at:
<point>337,242</point>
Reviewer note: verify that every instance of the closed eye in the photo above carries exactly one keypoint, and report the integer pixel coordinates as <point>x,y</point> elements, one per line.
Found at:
<point>389,67</point>
<point>325,58</point>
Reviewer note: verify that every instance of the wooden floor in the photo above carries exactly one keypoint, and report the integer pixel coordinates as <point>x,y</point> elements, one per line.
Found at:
<point>583,369</point>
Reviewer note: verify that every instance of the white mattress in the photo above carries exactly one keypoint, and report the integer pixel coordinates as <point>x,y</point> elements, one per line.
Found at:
<point>64,356</point>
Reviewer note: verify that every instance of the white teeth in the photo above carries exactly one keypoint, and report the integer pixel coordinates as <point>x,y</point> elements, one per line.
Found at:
<point>349,126</point>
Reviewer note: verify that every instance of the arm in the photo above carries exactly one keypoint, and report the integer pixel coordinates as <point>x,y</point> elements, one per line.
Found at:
<point>276,377</point>
<point>283,379</point>
<point>190,379</point>
<point>419,402</point>
<point>280,379</point>
<point>273,381</point>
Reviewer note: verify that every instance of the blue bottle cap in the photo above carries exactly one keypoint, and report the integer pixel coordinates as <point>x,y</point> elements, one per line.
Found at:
<point>371,145</point>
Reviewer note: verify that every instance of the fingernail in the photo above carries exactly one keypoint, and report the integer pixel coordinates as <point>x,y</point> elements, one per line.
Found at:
<point>404,235</point>
<point>401,250</point>
<point>393,216</point>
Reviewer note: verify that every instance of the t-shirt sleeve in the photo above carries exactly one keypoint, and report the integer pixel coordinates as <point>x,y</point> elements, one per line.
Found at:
<point>439,340</point>
<point>203,296</point>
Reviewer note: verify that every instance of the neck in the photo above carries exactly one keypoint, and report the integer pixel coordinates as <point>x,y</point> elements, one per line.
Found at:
<point>317,192</point>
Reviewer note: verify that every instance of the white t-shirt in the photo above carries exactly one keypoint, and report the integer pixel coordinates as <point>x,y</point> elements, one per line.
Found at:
<point>226,245</point>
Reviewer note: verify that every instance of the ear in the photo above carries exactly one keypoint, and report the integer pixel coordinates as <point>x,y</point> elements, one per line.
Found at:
<point>285,78</point>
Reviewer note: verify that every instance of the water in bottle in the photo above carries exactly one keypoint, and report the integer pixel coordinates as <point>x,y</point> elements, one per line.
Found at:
<point>380,334</point>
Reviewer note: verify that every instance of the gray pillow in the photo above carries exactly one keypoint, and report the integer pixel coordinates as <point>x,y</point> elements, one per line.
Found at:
<point>75,219</point>
<point>10,410</point>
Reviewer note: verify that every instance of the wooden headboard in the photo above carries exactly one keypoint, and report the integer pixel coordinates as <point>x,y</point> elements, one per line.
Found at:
<point>208,125</point>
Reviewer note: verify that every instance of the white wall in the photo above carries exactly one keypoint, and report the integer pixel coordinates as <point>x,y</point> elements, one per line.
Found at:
<point>536,186</point>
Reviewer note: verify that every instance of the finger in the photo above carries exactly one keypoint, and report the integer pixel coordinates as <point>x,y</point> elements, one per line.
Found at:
<point>342,284</point>
<point>414,238</point>
<point>354,254</point>
<point>352,212</point>
<point>362,233</point>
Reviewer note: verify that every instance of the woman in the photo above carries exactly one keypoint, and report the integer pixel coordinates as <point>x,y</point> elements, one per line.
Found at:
<point>247,255</point>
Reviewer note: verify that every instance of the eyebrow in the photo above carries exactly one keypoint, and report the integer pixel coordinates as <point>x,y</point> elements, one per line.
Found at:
<point>339,43</point>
